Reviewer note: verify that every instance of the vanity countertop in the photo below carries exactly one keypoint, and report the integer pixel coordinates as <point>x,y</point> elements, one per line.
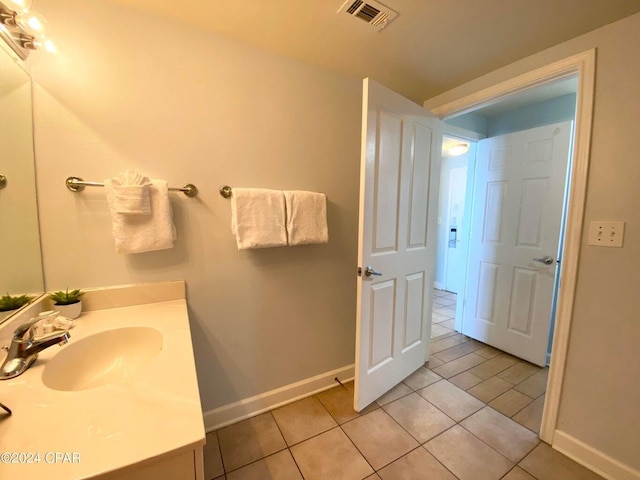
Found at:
<point>154,412</point>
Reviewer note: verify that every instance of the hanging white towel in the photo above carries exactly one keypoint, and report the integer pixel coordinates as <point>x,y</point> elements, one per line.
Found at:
<point>258,218</point>
<point>131,193</point>
<point>306,217</point>
<point>143,233</point>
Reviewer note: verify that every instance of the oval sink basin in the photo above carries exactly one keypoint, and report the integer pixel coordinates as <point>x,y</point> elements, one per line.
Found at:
<point>103,358</point>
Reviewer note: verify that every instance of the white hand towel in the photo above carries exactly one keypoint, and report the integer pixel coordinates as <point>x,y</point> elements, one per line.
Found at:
<point>306,217</point>
<point>143,233</point>
<point>131,193</point>
<point>258,218</point>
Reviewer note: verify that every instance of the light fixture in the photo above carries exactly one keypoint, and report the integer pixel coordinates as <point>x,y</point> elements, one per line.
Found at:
<point>23,29</point>
<point>458,149</point>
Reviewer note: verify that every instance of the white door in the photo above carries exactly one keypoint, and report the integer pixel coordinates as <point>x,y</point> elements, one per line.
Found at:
<point>455,228</point>
<point>399,177</point>
<point>519,190</point>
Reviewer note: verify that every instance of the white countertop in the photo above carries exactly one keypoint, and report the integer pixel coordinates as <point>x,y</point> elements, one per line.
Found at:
<point>153,412</point>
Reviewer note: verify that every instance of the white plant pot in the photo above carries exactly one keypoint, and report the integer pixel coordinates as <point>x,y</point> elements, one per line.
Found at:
<point>71,311</point>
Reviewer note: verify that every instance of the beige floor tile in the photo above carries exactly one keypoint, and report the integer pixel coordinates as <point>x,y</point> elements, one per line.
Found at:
<point>375,476</point>
<point>418,417</point>
<point>457,351</point>
<point>535,385</point>
<point>339,402</point>
<point>459,365</point>
<point>446,311</point>
<point>468,457</point>
<point>500,432</point>
<point>487,352</point>
<point>465,380</point>
<point>212,458</point>
<point>416,465</point>
<point>303,419</point>
<point>330,455</point>
<point>451,323</point>
<point>531,415</point>
<point>544,463</point>
<point>279,466</point>
<point>437,318</point>
<point>447,301</point>
<point>433,362</point>
<point>395,393</point>
<point>221,478</point>
<point>439,293</point>
<point>437,330</point>
<point>490,389</point>
<point>250,440</point>
<point>453,401</point>
<point>493,366</point>
<point>439,345</point>
<point>519,372</point>
<point>518,474</point>
<point>510,402</point>
<point>379,438</point>
<point>421,378</point>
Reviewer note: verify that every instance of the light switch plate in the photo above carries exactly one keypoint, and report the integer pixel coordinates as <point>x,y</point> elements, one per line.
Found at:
<point>606,234</point>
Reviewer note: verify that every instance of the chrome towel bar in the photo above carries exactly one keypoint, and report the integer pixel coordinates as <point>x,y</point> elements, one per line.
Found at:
<point>76,184</point>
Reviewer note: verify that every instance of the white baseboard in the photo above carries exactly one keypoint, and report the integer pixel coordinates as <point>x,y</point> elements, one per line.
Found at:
<point>252,406</point>
<point>594,460</point>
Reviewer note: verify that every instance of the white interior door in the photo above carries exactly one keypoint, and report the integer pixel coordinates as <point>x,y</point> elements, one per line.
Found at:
<point>454,219</point>
<point>519,189</point>
<point>399,177</point>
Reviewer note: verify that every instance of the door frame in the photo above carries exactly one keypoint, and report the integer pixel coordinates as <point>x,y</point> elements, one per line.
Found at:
<point>583,66</point>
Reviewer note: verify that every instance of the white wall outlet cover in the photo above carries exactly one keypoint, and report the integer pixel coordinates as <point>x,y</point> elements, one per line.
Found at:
<point>606,234</point>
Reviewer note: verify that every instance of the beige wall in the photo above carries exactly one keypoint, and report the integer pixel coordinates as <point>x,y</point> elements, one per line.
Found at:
<point>600,402</point>
<point>128,90</point>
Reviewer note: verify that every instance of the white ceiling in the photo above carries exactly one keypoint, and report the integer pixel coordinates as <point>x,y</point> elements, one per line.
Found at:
<point>432,46</point>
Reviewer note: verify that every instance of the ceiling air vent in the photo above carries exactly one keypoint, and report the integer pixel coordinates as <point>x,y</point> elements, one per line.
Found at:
<point>374,13</point>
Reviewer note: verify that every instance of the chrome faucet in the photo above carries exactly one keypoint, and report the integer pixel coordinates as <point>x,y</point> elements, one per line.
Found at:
<point>23,351</point>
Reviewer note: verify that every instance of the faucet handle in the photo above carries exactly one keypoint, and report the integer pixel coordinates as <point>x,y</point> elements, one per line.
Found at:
<point>19,332</point>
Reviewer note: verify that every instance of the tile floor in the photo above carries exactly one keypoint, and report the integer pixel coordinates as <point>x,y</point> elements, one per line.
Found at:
<point>471,413</point>
<point>443,314</point>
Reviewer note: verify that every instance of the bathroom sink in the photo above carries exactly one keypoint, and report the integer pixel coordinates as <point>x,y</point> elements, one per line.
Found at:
<point>102,358</point>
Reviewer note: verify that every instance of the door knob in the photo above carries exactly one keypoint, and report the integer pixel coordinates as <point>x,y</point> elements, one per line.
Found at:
<point>371,271</point>
<point>546,260</point>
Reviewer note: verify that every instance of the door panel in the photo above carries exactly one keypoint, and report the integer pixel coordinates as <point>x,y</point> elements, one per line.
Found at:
<point>519,188</point>
<point>400,160</point>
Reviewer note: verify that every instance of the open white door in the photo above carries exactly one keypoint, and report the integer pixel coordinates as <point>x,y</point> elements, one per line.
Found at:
<point>517,208</point>
<point>399,177</point>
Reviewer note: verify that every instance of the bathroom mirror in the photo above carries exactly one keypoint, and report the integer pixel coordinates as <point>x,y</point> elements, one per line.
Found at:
<point>20,255</point>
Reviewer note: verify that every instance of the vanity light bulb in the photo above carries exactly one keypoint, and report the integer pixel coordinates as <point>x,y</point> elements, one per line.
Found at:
<point>33,23</point>
<point>20,5</point>
<point>49,46</point>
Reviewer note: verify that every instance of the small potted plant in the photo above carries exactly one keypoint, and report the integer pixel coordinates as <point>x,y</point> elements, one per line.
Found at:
<point>68,303</point>
<point>9,303</point>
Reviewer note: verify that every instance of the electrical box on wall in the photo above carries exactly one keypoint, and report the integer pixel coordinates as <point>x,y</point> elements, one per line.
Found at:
<point>606,234</point>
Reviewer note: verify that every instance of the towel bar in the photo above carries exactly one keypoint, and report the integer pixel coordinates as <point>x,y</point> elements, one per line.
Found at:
<point>76,184</point>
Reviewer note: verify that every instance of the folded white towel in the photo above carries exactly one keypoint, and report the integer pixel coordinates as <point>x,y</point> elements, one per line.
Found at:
<point>131,193</point>
<point>258,218</point>
<point>143,233</point>
<point>306,217</point>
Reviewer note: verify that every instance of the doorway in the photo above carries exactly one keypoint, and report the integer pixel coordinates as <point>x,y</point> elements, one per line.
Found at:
<point>583,66</point>
<point>516,196</point>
